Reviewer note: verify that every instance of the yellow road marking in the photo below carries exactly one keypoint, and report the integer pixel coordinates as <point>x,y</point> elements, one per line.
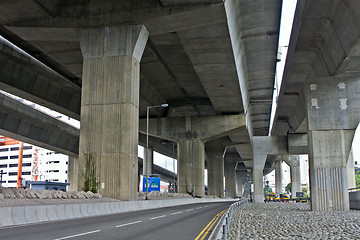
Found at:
<point>208,227</point>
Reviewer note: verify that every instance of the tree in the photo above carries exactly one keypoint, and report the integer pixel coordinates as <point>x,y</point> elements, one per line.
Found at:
<point>357,179</point>
<point>288,188</point>
<point>267,190</point>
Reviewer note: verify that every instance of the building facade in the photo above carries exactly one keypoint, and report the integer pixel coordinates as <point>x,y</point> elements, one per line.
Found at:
<point>38,164</point>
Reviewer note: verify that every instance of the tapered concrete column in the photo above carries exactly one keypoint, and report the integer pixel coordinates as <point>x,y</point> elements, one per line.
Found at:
<point>230,179</point>
<point>191,165</point>
<point>295,172</point>
<point>351,171</point>
<point>240,182</point>
<point>247,188</point>
<point>278,177</point>
<point>332,115</point>
<point>258,173</point>
<point>215,170</point>
<point>148,163</point>
<point>216,176</point>
<point>329,152</point>
<point>110,108</point>
<point>73,176</point>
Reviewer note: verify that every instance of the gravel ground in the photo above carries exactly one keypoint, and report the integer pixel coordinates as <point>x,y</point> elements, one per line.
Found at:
<point>292,221</point>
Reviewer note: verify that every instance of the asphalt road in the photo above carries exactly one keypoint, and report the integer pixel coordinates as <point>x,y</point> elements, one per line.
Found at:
<point>172,223</point>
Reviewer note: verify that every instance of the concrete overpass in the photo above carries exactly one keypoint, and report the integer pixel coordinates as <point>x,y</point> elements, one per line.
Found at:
<point>213,63</point>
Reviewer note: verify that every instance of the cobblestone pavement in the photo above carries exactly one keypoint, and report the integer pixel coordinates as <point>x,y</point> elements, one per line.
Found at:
<point>292,221</point>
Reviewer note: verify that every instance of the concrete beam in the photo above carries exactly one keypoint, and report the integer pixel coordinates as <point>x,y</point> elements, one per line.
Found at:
<point>27,78</point>
<point>203,128</point>
<point>27,124</point>
<point>297,144</point>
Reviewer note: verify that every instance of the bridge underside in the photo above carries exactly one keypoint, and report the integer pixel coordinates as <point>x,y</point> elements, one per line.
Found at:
<point>111,64</point>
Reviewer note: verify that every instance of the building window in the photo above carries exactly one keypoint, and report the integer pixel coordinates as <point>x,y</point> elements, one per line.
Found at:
<point>4,157</point>
<point>14,157</point>
<point>25,173</point>
<point>53,170</point>
<point>27,156</point>
<point>4,149</point>
<point>13,165</point>
<point>14,148</point>
<point>3,165</point>
<point>27,147</point>
<point>12,174</point>
<point>50,162</point>
<point>12,181</point>
<point>26,164</point>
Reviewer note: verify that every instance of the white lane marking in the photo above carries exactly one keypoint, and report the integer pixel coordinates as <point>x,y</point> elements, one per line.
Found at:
<point>176,213</point>
<point>126,224</point>
<point>77,235</point>
<point>189,210</point>
<point>199,208</point>
<point>158,217</point>
<point>206,206</point>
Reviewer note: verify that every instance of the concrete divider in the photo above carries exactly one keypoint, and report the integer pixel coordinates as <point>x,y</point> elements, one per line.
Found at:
<point>76,210</point>
<point>10,216</point>
<point>18,215</point>
<point>107,208</point>
<point>60,211</point>
<point>69,211</point>
<point>51,212</point>
<point>30,214</point>
<point>84,210</point>
<point>41,213</point>
<point>90,209</point>
<point>97,208</point>
<point>6,217</point>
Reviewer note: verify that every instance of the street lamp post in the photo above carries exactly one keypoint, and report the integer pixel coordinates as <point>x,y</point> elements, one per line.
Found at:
<point>147,144</point>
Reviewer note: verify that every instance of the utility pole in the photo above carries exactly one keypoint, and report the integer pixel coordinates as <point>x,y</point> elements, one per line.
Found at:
<point>20,165</point>
<point>1,177</point>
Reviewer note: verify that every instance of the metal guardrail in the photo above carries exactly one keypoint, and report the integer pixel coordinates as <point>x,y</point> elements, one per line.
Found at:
<point>222,230</point>
<point>354,189</point>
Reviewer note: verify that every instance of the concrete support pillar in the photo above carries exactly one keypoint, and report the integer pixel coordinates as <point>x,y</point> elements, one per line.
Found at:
<point>191,165</point>
<point>332,115</point>
<point>278,177</point>
<point>230,179</point>
<point>215,170</point>
<point>73,169</point>
<point>110,108</point>
<point>295,171</point>
<point>329,152</point>
<point>258,169</point>
<point>351,171</point>
<point>240,184</point>
<point>247,189</point>
<point>295,180</point>
<point>148,163</point>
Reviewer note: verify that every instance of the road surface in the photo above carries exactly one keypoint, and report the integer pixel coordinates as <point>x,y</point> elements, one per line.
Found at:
<point>172,223</point>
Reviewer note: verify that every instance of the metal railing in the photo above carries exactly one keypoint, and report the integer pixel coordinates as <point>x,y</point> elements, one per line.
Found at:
<point>222,230</point>
<point>354,189</point>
